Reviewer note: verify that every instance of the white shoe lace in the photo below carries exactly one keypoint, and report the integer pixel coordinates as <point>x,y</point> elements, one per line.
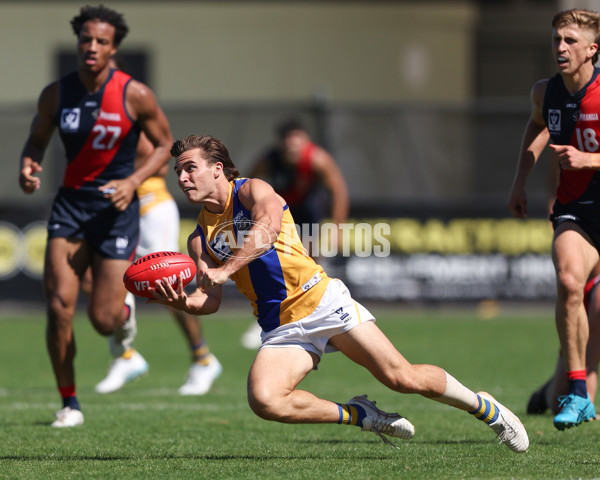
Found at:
<point>380,422</point>
<point>508,432</point>
<point>375,430</point>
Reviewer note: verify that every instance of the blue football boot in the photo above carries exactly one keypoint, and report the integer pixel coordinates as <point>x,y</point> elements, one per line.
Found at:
<point>574,410</point>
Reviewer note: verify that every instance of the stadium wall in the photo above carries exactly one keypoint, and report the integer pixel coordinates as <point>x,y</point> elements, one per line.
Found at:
<point>233,51</point>
<point>450,236</point>
<point>386,86</point>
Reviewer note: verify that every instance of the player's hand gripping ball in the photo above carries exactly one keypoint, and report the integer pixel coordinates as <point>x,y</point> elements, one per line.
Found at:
<point>139,278</point>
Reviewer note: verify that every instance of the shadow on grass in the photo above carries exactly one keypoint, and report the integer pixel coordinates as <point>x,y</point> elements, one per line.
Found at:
<point>397,441</point>
<point>228,457</point>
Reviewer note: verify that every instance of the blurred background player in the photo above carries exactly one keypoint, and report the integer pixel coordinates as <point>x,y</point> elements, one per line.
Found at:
<point>309,179</point>
<point>159,231</point>
<point>298,170</point>
<point>94,221</point>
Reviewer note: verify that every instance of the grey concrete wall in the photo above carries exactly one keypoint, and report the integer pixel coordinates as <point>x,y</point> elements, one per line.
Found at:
<point>237,51</point>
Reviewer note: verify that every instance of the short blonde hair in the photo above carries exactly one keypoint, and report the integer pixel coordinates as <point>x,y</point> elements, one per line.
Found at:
<point>584,19</point>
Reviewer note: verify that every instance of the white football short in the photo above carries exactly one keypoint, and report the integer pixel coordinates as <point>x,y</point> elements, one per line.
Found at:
<point>159,229</point>
<point>336,313</point>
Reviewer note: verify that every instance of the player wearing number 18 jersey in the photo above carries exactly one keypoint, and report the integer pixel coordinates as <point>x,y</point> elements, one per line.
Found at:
<point>95,216</point>
<point>573,120</point>
<point>565,111</point>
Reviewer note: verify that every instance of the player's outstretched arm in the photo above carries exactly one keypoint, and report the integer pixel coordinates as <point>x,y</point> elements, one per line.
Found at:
<point>155,126</point>
<point>334,180</point>
<point>40,133</point>
<point>266,212</point>
<point>534,141</point>
<point>143,106</point>
<point>203,301</point>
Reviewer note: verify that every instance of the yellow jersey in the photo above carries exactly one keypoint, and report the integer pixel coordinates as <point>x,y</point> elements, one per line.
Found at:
<point>152,192</point>
<point>284,284</point>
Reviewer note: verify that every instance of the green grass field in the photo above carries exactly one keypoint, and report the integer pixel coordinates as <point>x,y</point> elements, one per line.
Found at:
<point>147,431</point>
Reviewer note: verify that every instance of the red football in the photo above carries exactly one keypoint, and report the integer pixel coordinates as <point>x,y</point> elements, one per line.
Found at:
<point>141,274</point>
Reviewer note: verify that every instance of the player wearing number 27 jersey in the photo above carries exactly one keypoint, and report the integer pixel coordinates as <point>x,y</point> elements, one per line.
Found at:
<point>100,142</point>
<point>99,136</point>
<point>94,222</point>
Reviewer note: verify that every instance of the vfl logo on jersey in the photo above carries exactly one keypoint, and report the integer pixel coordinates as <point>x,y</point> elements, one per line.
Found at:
<point>225,241</point>
<point>241,222</point>
<point>554,120</point>
<point>220,248</point>
<point>69,119</point>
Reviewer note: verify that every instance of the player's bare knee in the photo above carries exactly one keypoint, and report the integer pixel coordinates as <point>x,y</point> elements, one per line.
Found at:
<point>405,387</point>
<point>264,405</point>
<point>403,382</point>
<point>102,329</point>
<point>259,407</point>
<point>570,287</point>
<point>104,323</point>
<point>59,312</point>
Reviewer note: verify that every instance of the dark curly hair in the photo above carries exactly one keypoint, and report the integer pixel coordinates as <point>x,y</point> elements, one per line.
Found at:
<point>103,14</point>
<point>287,126</point>
<point>213,149</point>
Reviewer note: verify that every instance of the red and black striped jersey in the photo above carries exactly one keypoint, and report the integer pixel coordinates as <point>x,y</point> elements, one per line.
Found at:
<point>98,134</point>
<point>574,120</point>
<point>293,181</point>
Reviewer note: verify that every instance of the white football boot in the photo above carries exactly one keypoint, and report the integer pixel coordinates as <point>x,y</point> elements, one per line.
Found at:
<point>380,422</point>
<point>68,417</point>
<point>508,427</point>
<point>201,377</point>
<point>122,370</point>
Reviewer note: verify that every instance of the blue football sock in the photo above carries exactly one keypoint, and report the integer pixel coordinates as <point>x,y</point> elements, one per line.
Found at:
<point>351,414</point>
<point>71,402</point>
<point>578,387</point>
<point>486,411</point>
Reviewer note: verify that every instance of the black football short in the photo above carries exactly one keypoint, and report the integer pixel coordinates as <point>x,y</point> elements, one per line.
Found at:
<point>586,215</point>
<point>90,216</point>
